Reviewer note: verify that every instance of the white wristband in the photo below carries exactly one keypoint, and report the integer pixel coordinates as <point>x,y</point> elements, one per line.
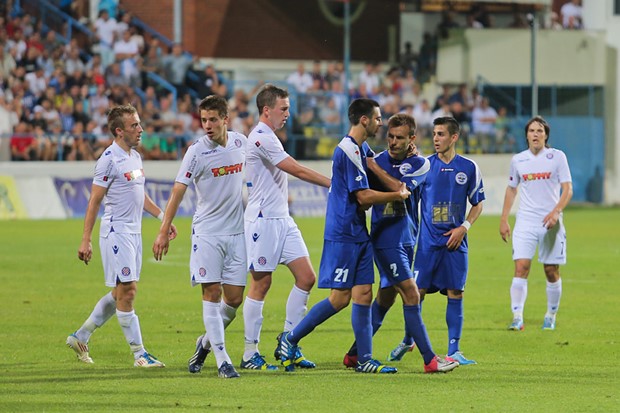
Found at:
<point>466,224</point>
<point>161,216</point>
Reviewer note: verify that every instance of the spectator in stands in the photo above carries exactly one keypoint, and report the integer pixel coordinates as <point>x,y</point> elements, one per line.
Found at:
<point>29,60</point>
<point>50,114</point>
<point>444,97</point>
<point>175,66</point>
<point>73,62</point>
<point>7,63</point>
<point>369,77</point>
<point>8,117</point>
<point>410,89</point>
<point>17,44</point>
<point>150,143</point>
<point>114,76</point>
<point>442,111</point>
<point>408,59</point>
<point>423,117</point>
<point>211,83</point>
<point>317,76</point>
<point>47,148</point>
<point>572,14</point>
<point>483,124</point>
<point>554,22</point>
<point>37,83</point>
<point>51,41</point>
<point>300,80</point>
<point>23,144</point>
<point>427,57</point>
<point>518,21</point>
<point>151,63</point>
<point>105,29</point>
<point>332,74</point>
<point>126,53</point>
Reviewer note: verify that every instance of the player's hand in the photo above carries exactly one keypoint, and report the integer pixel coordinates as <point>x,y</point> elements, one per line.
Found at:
<point>551,219</point>
<point>404,191</point>
<point>412,150</point>
<point>85,252</point>
<point>504,230</point>
<point>160,246</point>
<point>456,237</point>
<point>172,234</point>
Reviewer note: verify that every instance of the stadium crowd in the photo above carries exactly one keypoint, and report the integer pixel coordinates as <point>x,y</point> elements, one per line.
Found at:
<point>54,96</point>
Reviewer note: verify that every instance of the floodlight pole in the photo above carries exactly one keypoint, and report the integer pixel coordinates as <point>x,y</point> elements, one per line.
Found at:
<point>347,61</point>
<point>534,29</point>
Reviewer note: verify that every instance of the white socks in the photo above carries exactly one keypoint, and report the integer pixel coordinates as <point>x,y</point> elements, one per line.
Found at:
<point>228,315</point>
<point>104,309</point>
<point>554,293</point>
<point>131,329</point>
<point>215,327</point>
<point>296,307</point>
<point>253,322</point>
<point>518,295</point>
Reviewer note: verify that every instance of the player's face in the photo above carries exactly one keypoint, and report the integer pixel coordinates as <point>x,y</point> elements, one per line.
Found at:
<point>278,115</point>
<point>399,141</point>
<point>442,139</point>
<point>536,137</point>
<point>372,123</point>
<point>214,125</point>
<point>132,130</point>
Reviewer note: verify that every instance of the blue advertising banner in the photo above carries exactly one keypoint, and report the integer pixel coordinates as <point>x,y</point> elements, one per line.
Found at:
<point>307,200</point>
<point>74,194</point>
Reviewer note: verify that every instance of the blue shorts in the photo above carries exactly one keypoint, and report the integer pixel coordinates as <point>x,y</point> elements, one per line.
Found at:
<point>394,264</point>
<point>441,270</point>
<point>346,264</point>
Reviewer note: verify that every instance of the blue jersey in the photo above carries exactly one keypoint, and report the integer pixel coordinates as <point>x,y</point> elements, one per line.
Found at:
<point>345,221</point>
<point>396,223</point>
<point>444,196</point>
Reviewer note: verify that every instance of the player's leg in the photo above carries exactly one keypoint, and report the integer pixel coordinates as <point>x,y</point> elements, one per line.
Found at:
<point>552,252</point>
<point>525,239</point>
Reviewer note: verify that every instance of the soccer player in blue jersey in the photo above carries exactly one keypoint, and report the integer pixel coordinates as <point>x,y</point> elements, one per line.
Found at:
<point>393,234</point>
<point>441,258</point>
<point>346,264</point>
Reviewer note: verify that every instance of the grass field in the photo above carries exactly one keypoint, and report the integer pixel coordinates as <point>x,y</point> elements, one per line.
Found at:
<point>46,293</point>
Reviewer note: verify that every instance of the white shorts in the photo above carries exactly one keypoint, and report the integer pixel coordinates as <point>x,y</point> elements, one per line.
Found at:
<point>551,243</point>
<point>121,255</point>
<point>218,259</point>
<point>273,241</point>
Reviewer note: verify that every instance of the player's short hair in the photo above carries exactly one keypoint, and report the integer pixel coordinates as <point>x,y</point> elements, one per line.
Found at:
<point>268,96</point>
<point>544,124</point>
<point>214,102</point>
<point>116,117</point>
<point>361,107</point>
<point>451,123</point>
<point>402,119</point>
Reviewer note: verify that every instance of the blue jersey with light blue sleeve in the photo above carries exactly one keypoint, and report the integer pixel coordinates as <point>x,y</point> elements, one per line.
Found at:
<point>444,197</point>
<point>396,223</point>
<point>344,220</point>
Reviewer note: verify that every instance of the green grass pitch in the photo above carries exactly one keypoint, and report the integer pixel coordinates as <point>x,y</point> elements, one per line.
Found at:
<point>46,293</point>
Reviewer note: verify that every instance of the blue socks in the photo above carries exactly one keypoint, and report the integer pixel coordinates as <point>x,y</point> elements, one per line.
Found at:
<point>415,328</point>
<point>454,320</point>
<point>320,312</point>
<point>362,328</point>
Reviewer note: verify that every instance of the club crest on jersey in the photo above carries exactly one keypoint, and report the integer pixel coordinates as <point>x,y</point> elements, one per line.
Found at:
<point>135,174</point>
<point>549,155</point>
<point>404,168</point>
<point>461,178</point>
<point>202,271</point>
<point>238,143</point>
<point>227,170</point>
<point>262,260</point>
<point>125,271</point>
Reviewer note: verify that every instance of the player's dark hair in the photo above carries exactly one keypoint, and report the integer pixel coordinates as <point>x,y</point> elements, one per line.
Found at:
<point>116,117</point>
<point>361,107</point>
<point>214,102</point>
<point>402,119</point>
<point>544,124</point>
<point>451,123</point>
<point>268,96</point>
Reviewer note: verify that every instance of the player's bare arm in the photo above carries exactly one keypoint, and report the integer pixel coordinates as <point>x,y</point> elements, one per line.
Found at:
<point>509,199</point>
<point>85,252</point>
<point>458,234</point>
<point>291,166</point>
<point>368,197</point>
<point>553,217</point>
<point>162,241</point>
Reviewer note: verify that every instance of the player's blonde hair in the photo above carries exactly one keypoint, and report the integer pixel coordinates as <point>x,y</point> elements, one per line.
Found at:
<point>116,117</point>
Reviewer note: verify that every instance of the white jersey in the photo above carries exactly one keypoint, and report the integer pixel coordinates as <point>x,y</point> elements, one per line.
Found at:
<point>122,174</point>
<point>267,184</point>
<point>540,177</point>
<point>217,175</point>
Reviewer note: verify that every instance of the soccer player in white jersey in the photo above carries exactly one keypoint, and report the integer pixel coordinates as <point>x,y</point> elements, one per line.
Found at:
<point>119,183</point>
<point>272,237</point>
<point>546,189</point>
<point>218,257</point>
